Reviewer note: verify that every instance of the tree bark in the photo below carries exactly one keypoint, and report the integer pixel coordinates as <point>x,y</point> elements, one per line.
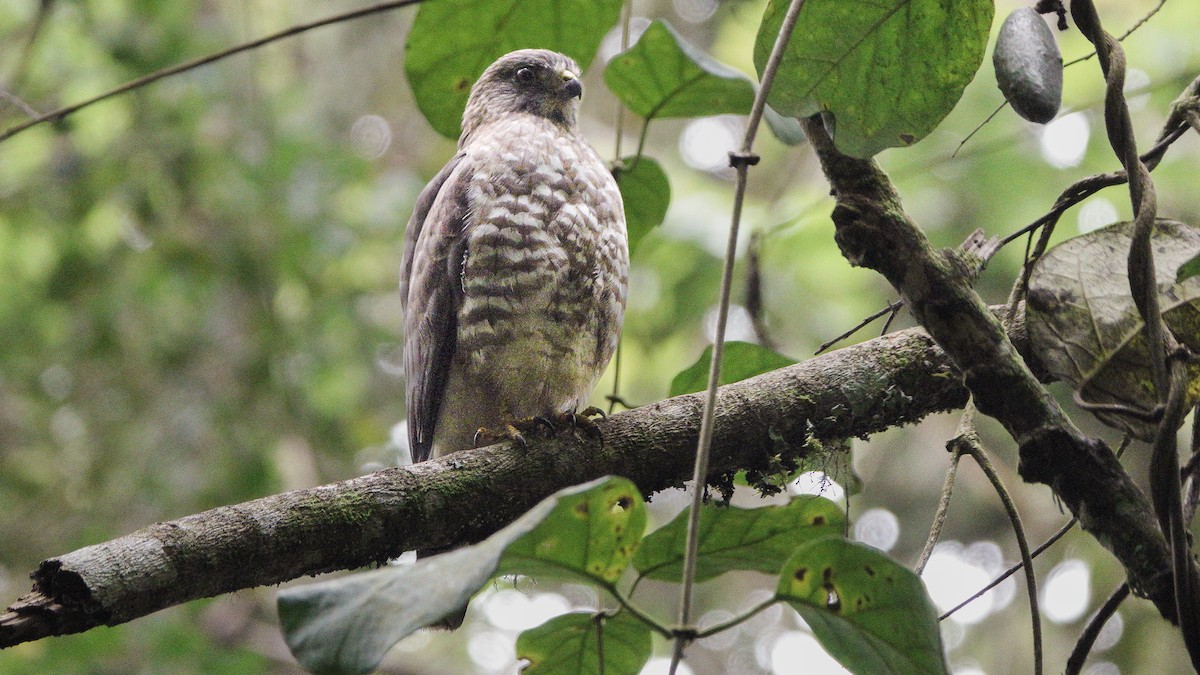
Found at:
<point>890,381</point>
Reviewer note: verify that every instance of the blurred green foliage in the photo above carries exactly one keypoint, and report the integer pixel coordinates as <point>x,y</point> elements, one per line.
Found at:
<point>198,299</point>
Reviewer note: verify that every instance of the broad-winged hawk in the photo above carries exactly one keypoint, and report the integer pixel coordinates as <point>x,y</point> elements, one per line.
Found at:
<point>515,264</point>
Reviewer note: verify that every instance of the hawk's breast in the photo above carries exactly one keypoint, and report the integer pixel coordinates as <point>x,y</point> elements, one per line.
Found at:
<point>544,275</point>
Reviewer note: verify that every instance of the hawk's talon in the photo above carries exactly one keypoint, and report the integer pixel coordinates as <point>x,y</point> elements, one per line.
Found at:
<point>545,422</point>
<point>509,432</point>
<point>584,421</point>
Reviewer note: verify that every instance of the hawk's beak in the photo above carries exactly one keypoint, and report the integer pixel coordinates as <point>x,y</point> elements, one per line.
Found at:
<point>571,87</point>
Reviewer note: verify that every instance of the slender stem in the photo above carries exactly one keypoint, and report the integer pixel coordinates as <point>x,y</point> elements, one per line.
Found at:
<point>626,14</point>
<point>1062,531</point>
<point>725,625</point>
<point>616,395</point>
<point>598,623</point>
<point>939,518</point>
<point>1126,34</point>
<point>1088,637</point>
<point>975,450</point>
<point>741,162</point>
<point>641,140</point>
<point>892,308</point>
<point>641,616</point>
<point>17,77</point>
<point>56,115</point>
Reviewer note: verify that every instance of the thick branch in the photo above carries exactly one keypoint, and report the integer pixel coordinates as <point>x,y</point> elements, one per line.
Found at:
<point>890,381</point>
<point>873,231</point>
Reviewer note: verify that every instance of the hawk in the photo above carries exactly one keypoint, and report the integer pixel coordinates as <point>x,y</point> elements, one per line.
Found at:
<point>516,262</point>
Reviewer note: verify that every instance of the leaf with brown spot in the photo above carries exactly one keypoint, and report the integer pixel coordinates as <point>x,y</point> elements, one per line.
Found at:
<point>869,626</point>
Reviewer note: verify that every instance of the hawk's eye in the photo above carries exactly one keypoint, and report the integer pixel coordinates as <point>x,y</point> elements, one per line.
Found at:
<point>525,75</point>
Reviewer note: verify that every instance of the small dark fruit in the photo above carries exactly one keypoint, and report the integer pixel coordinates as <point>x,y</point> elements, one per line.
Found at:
<point>1029,67</point>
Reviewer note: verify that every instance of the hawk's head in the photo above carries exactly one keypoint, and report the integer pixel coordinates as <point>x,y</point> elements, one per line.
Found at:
<point>536,81</point>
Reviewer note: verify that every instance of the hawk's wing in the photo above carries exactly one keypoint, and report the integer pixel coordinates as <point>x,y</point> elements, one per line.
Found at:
<point>431,290</point>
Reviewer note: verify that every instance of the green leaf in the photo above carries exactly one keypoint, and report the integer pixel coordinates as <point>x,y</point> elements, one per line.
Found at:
<point>646,193</point>
<point>887,70</point>
<point>732,538</point>
<point>452,42</point>
<point>1085,328</point>
<point>870,613</point>
<point>664,76</point>
<point>592,534</point>
<point>740,361</point>
<point>786,129</point>
<point>348,624</point>
<point>1188,270</point>
<point>567,645</point>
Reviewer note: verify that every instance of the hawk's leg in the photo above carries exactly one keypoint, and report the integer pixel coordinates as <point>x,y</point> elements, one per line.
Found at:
<point>561,423</point>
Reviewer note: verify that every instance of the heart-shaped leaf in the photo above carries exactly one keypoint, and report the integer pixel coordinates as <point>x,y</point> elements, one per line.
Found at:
<point>646,193</point>
<point>664,76</point>
<point>452,42</point>
<point>732,538</point>
<point>592,534</point>
<point>870,613</point>
<point>1085,328</point>
<point>741,360</point>
<point>347,625</point>
<point>888,71</point>
<point>582,643</point>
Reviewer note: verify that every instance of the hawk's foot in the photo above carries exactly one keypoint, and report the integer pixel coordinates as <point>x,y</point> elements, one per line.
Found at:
<point>582,421</point>
<point>514,431</point>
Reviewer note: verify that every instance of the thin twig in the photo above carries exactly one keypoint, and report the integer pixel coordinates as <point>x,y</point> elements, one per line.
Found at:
<point>639,614</point>
<point>725,625</point>
<point>18,102</point>
<point>979,127</point>
<point>741,162</point>
<point>1124,35</point>
<point>17,77</point>
<point>1190,470</point>
<point>892,307</point>
<point>1172,131</point>
<point>626,13</point>
<point>970,444</point>
<point>1062,531</point>
<point>1087,638</point>
<point>60,113</point>
<point>754,290</point>
<point>939,518</point>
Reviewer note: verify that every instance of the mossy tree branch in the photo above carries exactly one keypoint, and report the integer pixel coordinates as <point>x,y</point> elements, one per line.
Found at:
<point>873,231</point>
<point>890,381</point>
